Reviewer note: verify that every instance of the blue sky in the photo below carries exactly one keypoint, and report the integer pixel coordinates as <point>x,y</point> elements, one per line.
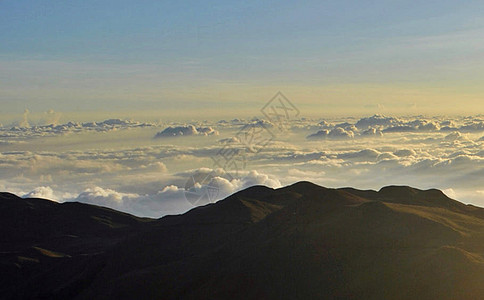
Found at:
<point>166,55</point>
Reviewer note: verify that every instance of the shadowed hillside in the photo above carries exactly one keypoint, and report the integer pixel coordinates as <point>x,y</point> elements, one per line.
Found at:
<point>298,242</point>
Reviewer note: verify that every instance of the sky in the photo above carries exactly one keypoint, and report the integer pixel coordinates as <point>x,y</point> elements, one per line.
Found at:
<point>173,59</point>
<point>132,104</point>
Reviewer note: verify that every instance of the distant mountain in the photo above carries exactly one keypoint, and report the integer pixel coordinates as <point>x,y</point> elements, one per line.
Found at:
<point>299,242</point>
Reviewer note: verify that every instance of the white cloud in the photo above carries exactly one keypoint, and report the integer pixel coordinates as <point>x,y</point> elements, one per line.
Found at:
<point>44,192</point>
<point>336,133</point>
<point>372,132</point>
<point>377,121</point>
<point>175,199</point>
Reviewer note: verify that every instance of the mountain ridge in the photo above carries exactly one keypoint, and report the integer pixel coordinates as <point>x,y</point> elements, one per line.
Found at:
<point>296,242</point>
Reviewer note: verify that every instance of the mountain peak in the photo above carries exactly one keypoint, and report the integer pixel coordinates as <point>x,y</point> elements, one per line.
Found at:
<point>413,196</point>
<point>398,190</point>
<point>304,187</point>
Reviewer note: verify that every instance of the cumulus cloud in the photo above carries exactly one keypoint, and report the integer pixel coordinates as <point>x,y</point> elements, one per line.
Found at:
<point>336,133</point>
<point>188,130</point>
<point>105,197</point>
<point>372,132</point>
<point>24,129</point>
<point>378,124</point>
<point>405,153</point>
<point>257,123</point>
<point>400,128</point>
<point>377,121</point>
<point>44,192</point>
<point>175,199</point>
<point>472,127</point>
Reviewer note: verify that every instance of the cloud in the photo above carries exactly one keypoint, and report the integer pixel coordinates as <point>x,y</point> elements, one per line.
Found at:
<point>106,197</point>
<point>188,130</point>
<point>378,124</point>
<point>24,130</point>
<point>401,128</point>
<point>372,132</point>
<point>377,121</point>
<point>428,126</point>
<point>455,136</point>
<point>25,119</point>
<point>52,117</point>
<point>474,126</point>
<point>405,153</point>
<point>44,192</point>
<point>362,155</point>
<point>154,167</point>
<point>176,199</point>
<point>127,170</point>
<point>257,123</point>
<point>336,133</point>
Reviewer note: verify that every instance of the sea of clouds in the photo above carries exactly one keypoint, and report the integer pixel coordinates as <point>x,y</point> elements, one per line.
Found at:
<point>154,169</point>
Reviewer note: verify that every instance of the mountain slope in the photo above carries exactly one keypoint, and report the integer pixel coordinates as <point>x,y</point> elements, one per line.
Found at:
<point>48,248</point>
<point>298,242</point>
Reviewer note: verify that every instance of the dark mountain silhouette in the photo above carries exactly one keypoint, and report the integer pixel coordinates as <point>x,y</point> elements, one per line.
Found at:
<point>299,242</point>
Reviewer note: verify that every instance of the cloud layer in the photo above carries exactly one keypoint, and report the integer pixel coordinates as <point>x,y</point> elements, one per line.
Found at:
<point>152,177</point>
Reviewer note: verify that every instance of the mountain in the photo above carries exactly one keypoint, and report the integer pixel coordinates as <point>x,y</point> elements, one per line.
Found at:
<point>302,241</point>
